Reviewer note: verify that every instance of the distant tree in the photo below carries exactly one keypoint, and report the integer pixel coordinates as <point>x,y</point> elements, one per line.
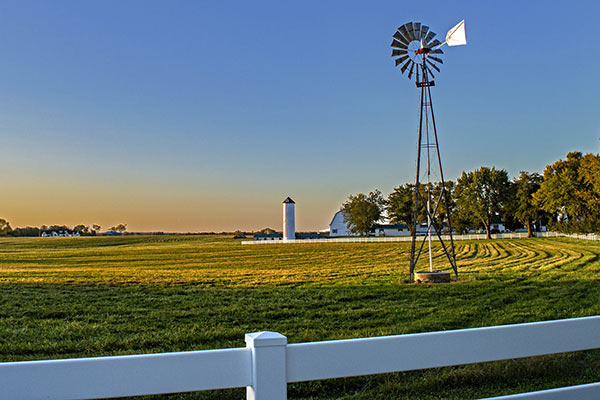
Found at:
<point>267,231</point>
<point>96,228</point>
<point>27,231</point>
<point>400,206</point>
<point>239,235</point>
<point>4,227</point>
<point>362,211</point>
<point>570,190</point>
<point>523,208</point>
<point>82,229</point>
<point>483,194</point>
<point>121,228</point>
<point>590,174</point>
<point>444,208</point>
<point>58,228</point>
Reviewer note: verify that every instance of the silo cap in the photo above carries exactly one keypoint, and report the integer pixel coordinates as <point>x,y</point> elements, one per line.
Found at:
<point>289,200</point>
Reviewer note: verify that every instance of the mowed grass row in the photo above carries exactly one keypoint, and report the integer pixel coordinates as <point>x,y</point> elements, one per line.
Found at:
<point>123,295</point>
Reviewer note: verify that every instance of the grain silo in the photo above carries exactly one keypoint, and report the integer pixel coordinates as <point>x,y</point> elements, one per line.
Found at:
<point>289,219</point>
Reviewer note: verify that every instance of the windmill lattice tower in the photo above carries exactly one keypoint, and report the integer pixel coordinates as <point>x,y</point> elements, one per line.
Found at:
<point>417,52</point>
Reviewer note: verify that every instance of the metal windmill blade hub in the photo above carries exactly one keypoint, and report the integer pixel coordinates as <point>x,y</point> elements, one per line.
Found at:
<point>413,44</point>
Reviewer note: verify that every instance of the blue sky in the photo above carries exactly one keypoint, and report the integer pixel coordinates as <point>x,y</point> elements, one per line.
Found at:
<point>196,116</point>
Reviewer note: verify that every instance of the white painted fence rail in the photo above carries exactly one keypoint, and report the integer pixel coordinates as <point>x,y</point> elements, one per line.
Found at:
<point>268,363</point>
<point>377,239</point>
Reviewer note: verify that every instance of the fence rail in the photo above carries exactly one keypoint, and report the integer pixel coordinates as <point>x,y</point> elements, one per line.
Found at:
<point>268,363</point>
<point>376,239</point>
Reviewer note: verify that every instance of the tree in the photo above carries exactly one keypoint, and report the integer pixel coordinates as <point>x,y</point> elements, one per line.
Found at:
<point>570,191</point>
<point>524,208</point>
<point>400,206</point>
<point>4,227</point>
<point>96,228</point>
<point>590,175</point>
<point>121,228</point>
<point>58,228</point>
<point>443,209</point>
<point>239,235</point>
<point>82,229</point>
<point>362,211</point>
<point>27,231</point>
<point>483,194</point>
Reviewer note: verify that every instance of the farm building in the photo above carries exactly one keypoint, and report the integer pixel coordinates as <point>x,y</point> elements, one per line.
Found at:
<point>268,236</point>
<point>392,230</point>
<point>60,233</point>
<point>279,236</point>
<point>338,227</point>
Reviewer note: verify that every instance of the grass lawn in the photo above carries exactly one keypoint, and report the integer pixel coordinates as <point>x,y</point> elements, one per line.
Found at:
<point>82,297</point>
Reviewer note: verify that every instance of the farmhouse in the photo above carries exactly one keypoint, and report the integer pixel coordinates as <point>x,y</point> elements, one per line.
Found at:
<point>60,233</point>
<point>391,230</point>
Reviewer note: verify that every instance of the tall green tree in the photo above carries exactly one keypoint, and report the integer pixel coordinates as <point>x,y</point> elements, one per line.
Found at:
<point>444,209</point>
<point>362,211</point>
<point>524,208</point>
<point>571,191</point>
<point>4,227</point>
<point>483,194</point>
<point>400,206</point>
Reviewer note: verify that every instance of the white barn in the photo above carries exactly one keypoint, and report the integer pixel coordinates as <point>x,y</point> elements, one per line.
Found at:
<point>337,226</point>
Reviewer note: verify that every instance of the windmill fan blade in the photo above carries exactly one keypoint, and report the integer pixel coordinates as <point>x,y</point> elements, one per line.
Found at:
<point>398,45</point>
<point>409,62</point>
<point>429,37</point>
<point>424,30</point>
<point>406,32</point>
<point>400,60</point>
<point>412,66</point>
<point>396,52</point>
<point>433,44</point>
<point>433,65</point>
<point>398,36</point>
<point>436,59</point>
<point>417,30</point>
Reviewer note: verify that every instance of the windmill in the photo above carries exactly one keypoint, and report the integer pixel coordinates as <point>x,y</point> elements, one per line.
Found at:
<point>418,53</point>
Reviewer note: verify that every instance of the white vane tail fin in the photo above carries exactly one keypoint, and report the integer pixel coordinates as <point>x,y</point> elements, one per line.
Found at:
<point>457,36</point>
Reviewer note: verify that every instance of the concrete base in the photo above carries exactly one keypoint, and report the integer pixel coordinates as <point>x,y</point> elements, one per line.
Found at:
<point>432,277</point>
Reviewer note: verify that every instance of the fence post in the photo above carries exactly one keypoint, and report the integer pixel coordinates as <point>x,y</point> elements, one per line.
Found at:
<point>269,381</point>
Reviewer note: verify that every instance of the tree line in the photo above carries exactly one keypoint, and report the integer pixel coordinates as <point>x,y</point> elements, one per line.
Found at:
<point>566,198</point>
<point>82,229</point>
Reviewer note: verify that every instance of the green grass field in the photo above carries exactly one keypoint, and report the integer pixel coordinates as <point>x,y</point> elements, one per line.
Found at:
<point>81,297</point>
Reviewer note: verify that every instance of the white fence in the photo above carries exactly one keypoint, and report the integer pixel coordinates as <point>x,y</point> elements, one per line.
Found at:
<point>268,363</point>
<point>478,236</point>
